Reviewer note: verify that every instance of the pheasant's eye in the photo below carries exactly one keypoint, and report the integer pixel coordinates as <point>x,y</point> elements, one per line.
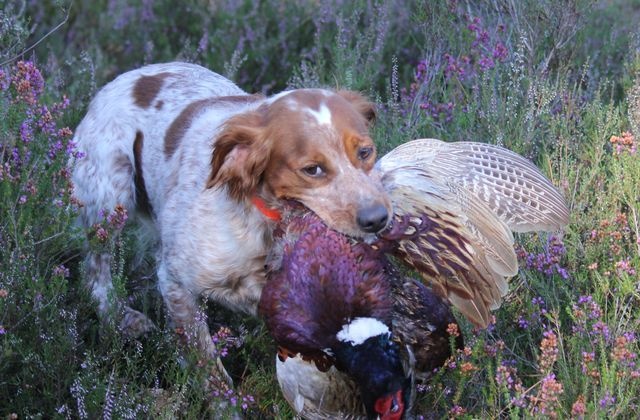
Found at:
<point>313,171</point>
<point>364,153</point>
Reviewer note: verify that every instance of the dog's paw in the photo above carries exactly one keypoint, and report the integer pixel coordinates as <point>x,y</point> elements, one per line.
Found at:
<point>134,323</point>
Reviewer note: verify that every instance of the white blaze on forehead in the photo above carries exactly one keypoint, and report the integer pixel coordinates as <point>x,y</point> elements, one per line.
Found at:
<point>322,116</point>
<point>359,330</point>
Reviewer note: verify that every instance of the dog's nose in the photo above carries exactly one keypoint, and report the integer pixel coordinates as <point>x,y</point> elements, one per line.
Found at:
<point>372,218</point>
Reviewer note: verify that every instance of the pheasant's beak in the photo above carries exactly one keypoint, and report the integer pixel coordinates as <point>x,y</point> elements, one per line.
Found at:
<point>390,407</point>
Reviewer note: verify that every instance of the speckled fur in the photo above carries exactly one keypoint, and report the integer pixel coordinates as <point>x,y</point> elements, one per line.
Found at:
<point>213,241</point>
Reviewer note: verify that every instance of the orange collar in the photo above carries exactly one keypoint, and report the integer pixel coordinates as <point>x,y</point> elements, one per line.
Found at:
<point>271,214</point>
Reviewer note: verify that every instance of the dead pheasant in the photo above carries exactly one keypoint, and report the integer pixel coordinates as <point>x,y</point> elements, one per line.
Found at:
<point>341,304</point>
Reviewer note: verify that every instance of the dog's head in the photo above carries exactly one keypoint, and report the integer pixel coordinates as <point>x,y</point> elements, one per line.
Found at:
<point>309,145</point>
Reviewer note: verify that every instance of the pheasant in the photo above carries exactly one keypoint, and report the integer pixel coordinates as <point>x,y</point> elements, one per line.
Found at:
<point>351,329</point>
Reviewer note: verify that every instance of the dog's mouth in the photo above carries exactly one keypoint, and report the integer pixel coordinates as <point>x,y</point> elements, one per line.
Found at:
<point>290,209</point>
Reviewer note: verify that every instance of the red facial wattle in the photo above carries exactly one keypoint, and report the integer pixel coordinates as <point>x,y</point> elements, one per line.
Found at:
<point>390,407</point>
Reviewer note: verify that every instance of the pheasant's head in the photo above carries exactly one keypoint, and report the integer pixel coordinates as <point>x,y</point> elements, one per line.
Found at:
<point>329,299</point>
<point>367,353</point>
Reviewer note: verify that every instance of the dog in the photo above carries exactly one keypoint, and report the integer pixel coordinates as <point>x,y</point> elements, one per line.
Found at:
<point>206,164</point>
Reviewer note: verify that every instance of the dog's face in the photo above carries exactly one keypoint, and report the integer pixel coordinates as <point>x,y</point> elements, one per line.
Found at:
<point>312,146</point>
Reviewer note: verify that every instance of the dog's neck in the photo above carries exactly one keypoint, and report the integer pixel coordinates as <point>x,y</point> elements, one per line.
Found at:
<point>268,212</point>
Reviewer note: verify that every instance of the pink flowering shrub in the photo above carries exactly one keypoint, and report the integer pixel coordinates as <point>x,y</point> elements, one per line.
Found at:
<point>557,82</point>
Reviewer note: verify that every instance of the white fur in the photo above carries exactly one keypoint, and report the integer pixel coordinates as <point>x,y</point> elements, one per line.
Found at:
<point>359,330</point>
<point>277,96</point>
<point>208,242</point>
<point>322,116</point>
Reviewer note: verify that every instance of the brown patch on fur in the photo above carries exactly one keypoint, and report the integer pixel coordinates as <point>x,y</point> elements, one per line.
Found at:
<point>147,88</point>
<point>159,105</point>
<point>181,124</point>
<point>142,198</point>
<point>361,104</point>
<point>360,151</point>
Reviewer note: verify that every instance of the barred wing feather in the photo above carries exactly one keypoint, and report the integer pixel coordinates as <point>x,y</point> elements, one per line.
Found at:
<point>455,206</point>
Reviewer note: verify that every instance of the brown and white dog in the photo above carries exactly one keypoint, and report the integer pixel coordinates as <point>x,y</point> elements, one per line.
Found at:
<point>207,161</point>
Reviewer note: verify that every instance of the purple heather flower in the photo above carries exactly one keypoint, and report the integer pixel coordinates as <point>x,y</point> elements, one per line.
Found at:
<point>486,63</point>
<point>4,80</point>
<point>26,131</point>
<point>594,311</point>
<point>147,14</point>
<point>454,67</point>
<point>522,322</point>
<point>607,400</point>
<point>28,82</point>
<point>625,266</point>
<point>563,272</point>
<point>482,37</point>
<point>600,328</point>
<point>59,107</point>
<point>585,299</point>
<point>61,271</point>
<point>15,155</point>
<point>538,301</point>
<point>421,70</point>
<point>474,26</point>
<point>548,262</point>
<point>500,52</point>
<point>204,42</point>
<point>72,151</point>
<point>54,148</point>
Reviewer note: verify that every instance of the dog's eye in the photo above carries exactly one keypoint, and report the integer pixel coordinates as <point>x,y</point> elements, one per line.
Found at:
<point>364,153</point>
<point>313,170</point>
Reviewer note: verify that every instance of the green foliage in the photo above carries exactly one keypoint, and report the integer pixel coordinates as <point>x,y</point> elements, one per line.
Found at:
<point>556,81</point>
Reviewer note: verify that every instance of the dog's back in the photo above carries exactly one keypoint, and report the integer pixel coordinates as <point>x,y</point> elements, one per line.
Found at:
<point>148,99</point>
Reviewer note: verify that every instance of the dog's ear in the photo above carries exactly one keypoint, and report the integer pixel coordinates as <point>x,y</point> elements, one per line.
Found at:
<point>240,156</point>
<point>365,107</point>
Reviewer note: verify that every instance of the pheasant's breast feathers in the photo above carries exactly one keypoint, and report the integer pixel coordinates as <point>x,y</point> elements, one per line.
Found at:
<point>321,283</point>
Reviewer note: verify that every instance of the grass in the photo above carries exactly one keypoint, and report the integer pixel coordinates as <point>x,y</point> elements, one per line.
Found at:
<point>558,83</point>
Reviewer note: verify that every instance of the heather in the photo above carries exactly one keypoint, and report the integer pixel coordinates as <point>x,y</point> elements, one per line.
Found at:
<point>558,82</point>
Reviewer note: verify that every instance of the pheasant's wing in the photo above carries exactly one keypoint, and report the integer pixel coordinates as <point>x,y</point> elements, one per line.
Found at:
<point>455,206</point>
<point>510,185</point>
<point>465,257</point>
